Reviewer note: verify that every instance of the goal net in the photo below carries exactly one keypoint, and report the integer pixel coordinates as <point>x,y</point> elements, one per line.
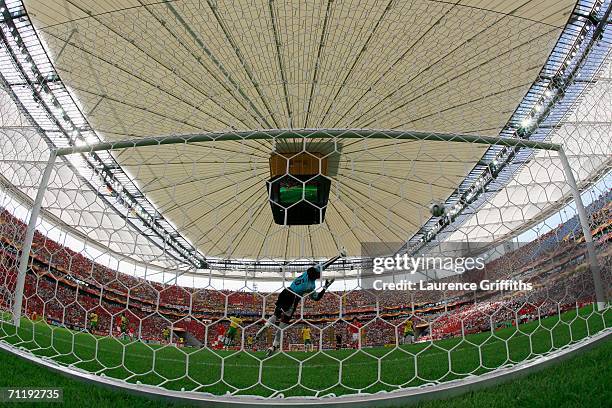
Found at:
<point>419,222</point>
<point>107,291</point>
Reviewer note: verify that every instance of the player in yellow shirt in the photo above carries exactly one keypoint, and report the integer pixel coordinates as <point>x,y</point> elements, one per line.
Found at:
<point>306,336</point>
<point>93,321</point>
<point>230,336</point>
<point>124,326</point>
<point>408,332</point>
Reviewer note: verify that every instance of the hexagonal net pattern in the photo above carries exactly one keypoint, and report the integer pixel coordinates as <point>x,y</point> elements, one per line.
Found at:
<point>102,296</point>
<point>239,201</point>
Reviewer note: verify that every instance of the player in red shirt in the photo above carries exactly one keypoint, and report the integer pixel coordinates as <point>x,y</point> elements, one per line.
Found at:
<point>220,336</point>
<point>354,330</point>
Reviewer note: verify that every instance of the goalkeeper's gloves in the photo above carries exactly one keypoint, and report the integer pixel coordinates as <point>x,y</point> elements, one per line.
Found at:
<point>328,282</point>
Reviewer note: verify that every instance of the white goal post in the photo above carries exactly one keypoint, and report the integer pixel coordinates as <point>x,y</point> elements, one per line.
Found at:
<point>332,134</point>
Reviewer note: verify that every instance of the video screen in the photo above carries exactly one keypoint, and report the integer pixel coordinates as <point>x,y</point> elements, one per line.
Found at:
<point>292,191</point>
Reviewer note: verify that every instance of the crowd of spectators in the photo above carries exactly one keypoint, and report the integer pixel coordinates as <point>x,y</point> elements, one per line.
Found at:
<point>65,287</point>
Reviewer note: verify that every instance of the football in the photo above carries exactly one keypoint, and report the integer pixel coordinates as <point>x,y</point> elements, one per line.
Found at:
<point>436,209</point>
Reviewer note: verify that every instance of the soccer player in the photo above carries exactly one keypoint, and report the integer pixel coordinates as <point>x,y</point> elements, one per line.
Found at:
<point>93,321</point>
<point>124,326</point>
<point>289,298</point>
<point>230,336</point>
<point>307,339</point>
<point>354,329</point>
<point>220,337</point>
<point>166,335</point>
<point>408,332</point>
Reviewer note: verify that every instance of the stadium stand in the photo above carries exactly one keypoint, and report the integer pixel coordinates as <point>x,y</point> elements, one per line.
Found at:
<point>64,287</point>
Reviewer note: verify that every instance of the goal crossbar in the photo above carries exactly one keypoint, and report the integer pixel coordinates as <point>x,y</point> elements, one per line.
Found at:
<point>308,134</point>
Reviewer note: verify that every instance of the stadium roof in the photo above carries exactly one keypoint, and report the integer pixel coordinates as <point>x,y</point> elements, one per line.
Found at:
<point>149,68</point>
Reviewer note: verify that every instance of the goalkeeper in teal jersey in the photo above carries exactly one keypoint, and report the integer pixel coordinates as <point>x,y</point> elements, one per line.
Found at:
<point>290,297</point>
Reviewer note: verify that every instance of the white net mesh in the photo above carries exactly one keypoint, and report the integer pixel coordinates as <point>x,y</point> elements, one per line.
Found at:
<point>168,262</point>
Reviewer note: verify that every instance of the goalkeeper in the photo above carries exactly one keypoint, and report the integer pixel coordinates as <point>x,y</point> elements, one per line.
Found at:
<point>288,299</point>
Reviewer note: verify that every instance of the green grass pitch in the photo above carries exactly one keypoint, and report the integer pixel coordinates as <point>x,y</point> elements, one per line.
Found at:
<point>319,374</point>
<point>583,381</point>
